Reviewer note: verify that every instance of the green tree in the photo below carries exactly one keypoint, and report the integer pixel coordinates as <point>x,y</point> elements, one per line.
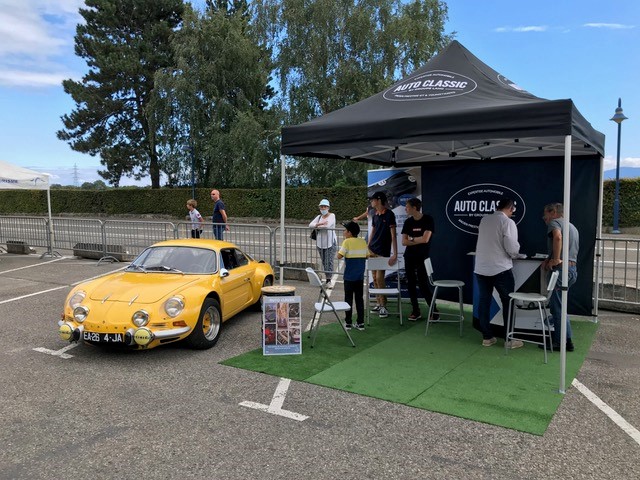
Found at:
<point>124,43</point>
<point>332,53</point>
<point>215,101</point>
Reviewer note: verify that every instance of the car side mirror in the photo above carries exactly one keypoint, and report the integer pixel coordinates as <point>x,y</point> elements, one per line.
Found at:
<point>224,272</point>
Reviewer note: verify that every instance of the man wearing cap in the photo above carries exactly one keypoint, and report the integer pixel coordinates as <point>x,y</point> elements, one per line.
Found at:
<point>382,241</point>
<point>326,240</point>
<point>354,251</point>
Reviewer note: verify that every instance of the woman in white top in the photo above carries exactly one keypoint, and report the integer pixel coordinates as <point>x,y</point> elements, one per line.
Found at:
<point>326,240</point>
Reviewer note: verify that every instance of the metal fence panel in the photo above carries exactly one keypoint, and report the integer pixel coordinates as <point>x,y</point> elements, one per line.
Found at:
<point>127,239</point>
<point>33,231</point>
<point>300,250</point>
<point>78,234</point>
<point>619,271</point>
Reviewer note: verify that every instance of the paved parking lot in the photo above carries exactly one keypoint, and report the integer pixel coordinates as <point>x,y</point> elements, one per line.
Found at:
<point>83,412</point>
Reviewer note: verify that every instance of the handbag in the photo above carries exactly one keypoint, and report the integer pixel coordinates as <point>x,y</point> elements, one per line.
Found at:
<point>314,234</point>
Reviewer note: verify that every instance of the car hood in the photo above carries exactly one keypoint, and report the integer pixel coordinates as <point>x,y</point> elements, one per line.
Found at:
<point>139,287</point>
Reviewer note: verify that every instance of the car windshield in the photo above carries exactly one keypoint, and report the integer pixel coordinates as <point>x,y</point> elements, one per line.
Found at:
<point>176,260</point>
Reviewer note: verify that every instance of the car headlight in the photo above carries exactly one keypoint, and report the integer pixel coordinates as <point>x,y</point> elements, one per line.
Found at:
<point>174,306</point>
<point>140,318</point>
<point>80,313</point>
<point>76,299</point>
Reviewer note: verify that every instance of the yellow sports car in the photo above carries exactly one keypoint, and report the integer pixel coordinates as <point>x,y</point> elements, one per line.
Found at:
<point>174,290</point>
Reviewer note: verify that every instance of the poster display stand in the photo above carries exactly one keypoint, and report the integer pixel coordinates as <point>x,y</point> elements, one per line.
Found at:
<point>281,325</point>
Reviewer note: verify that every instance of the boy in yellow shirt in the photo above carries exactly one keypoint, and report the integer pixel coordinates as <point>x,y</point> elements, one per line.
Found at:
<point>354,251</point>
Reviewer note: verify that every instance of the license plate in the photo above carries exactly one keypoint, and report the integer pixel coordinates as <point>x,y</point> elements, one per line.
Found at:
<point>103,337</point>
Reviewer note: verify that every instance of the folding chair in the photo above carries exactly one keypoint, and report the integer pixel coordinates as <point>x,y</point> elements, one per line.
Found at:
<point>542,301</point>
<point>324,304</point>
<point>382,263</point>
<point>436,284</point>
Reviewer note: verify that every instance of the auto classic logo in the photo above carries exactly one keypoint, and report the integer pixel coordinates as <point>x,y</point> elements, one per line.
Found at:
<point>466,207</point>
<point>431,85</point>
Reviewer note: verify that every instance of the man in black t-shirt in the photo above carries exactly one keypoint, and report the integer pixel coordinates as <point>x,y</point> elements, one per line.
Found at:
<point>416,237</point>
<point>382,243</point>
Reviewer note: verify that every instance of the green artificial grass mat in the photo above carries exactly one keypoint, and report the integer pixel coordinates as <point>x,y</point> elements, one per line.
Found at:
<point>442,372</point>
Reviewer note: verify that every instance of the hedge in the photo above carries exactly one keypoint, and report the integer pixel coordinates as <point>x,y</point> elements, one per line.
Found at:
<point>301,203</point>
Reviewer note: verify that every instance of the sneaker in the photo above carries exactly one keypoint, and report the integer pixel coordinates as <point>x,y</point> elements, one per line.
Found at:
<point>348,326</point>
<point>435,315</point>
<point>570,346</point>
<point>488,342</point>
<point>415,316</point>
<point>383,312</point>
<point>514,344</point>
<point>375,309</point>
<point>360,326</point>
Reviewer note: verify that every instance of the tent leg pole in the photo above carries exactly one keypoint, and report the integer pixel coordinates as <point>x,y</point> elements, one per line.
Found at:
<point>565,261</point>
<point>283,176</point>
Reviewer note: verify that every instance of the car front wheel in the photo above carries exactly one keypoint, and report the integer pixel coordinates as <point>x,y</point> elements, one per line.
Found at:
<point>207,331</point>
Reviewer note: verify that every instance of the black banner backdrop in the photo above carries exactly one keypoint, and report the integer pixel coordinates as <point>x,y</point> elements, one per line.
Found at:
<point>457,195</point>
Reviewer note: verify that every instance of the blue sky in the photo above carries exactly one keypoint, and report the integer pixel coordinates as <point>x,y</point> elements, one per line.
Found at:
<point>586,50</point>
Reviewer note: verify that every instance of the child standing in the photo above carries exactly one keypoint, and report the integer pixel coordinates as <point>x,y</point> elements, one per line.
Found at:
<point>196,218</point>
<point>354,251</point>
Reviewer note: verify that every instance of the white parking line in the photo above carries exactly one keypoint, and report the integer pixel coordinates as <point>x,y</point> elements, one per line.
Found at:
<point>34,265</point>
<point>275,407</point>
<point>58,353</point>
<point>608,411</point>
<point>58,288</point>
<point>33,294</point>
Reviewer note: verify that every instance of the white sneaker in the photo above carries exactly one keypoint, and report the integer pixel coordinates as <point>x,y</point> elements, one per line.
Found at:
<point>383,312</point>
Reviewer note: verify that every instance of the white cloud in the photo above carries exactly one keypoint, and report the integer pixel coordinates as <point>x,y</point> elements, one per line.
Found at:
<point>613,26</point>
<point>610,162</point>
<point>36,39</point>
<point>530,28</point>
<point>25,78</point>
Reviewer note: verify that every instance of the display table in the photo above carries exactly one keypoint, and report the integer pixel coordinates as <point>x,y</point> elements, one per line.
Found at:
<point>528,277</point>
<point>278,291</point>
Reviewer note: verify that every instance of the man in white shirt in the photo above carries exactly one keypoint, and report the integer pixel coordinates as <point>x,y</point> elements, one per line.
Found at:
<point>496,248</point>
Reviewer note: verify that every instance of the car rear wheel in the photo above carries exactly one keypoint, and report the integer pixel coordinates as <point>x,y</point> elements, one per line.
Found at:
<point>207,331</point>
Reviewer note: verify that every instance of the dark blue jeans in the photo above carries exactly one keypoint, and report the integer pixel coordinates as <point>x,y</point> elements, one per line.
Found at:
<point>218,232</point>
<point>555,304</point>
<point>505,284</point>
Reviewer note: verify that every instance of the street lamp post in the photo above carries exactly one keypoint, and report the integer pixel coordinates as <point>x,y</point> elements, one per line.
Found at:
<point>618,118</point>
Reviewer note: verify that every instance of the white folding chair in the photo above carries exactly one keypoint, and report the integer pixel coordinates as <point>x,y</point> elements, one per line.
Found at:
<point>436,284</point>
<point>382,263</point>
<point>324,304</point>
<point>542,301</point>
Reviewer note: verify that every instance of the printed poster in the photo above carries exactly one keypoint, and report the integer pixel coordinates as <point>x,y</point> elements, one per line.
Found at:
<point>281,326</point>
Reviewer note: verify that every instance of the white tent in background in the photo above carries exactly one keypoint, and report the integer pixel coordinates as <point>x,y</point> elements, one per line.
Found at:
<point>13,177</point>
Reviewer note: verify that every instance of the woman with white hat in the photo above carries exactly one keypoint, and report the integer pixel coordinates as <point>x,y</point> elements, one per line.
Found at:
<point>326,240</point>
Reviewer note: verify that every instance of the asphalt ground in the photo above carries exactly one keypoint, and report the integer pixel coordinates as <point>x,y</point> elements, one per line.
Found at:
<point>174,413</point>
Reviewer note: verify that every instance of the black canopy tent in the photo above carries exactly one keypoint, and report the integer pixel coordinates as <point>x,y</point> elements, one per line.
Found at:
<point>453,109</point>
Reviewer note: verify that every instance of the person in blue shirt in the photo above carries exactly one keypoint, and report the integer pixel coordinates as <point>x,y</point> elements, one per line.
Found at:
<point>354,251</point>
<point>219,217</point>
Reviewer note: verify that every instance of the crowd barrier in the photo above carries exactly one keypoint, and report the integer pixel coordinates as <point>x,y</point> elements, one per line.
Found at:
<point>616,269</point>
